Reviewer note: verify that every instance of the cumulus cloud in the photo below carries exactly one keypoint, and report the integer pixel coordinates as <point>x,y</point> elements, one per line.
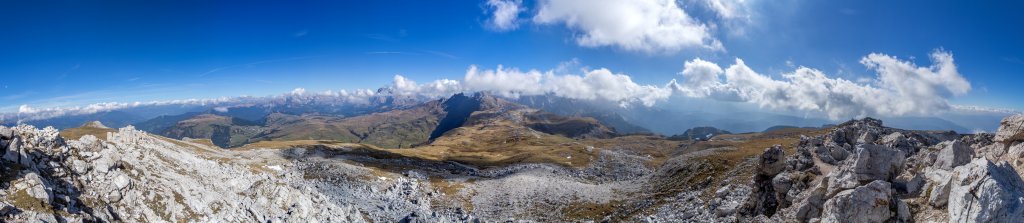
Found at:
<point>637,25</point>
<point>899,88</point>
<point>600,84</point>
<point>504,14</point>
<point>433,89</point>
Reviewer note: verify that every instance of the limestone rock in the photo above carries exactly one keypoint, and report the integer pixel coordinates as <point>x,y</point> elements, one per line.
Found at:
<point>782,182</point>
<point>728,199</point>
<point>902,211</point>
<point>874,162</point>
<point>6,133</point>
<point>939,187</point>
<point>982,191</point>
<point>771,161</point>
<point>953,154</point>
<point>868,203</point>
<point>13,151</point>
<point>6,208</point>
<point>122,181</point>
<point>1011,129</point>
<point>811,206</point>
<point>34,186</point>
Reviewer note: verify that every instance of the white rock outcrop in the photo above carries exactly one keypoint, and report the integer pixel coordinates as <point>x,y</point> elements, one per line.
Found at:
<point>982,191</point>
<point>1011,129</point>
<point>953,154</point>
<point>868,203</point>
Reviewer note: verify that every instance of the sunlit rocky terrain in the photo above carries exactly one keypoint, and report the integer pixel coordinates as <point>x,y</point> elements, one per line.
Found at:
<point>471,158</point>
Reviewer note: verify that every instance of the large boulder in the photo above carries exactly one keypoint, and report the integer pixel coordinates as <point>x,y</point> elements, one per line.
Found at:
<point>982,191</point>
<point>939,187</point>
<point>874,162</point>
<point>1011,129</point>
<point>6,133</point>
<point>868,203</point>
<point>34,186</point>
<point>771,161</point>
<point>811,205</point>
<point>953,154</point>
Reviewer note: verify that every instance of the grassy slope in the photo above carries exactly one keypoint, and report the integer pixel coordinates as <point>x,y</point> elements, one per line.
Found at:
<point>76,133</point>
<point>393,129</point>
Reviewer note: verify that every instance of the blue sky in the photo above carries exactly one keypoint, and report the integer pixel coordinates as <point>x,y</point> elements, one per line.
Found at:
<point>82,52</point>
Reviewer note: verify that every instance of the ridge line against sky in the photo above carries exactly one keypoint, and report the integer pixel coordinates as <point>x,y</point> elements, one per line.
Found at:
<point>719,43</point>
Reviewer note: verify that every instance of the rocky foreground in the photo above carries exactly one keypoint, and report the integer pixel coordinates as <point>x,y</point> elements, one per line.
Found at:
<point>859,171</point>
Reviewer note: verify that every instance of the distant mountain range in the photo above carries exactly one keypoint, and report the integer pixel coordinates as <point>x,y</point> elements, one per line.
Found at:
<point>332,117</point>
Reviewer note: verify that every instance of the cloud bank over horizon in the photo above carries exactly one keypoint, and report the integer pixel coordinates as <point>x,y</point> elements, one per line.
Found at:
<point>899,88</point>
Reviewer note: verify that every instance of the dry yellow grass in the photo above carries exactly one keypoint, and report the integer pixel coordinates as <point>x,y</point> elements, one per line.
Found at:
<point>488,145</point>
<point>286,144</point>
<point>77,133</point>
<point>205,142</point>
<point>502,143</point>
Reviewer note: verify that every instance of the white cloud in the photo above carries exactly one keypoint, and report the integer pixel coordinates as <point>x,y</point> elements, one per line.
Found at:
<point>701,78</point>
<point>651,26</point>
<point>600,84</point>
<point>900,88</point>
<point>504,14</point>
<point>433,89</point>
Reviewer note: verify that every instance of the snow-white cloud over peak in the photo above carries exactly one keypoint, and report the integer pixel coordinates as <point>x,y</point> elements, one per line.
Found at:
<point>600,84</point>
<point>900,87</point>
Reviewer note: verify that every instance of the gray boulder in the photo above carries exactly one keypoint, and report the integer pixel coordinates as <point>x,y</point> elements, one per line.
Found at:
<point>982,191</point>
<point>902,211</point>
<point>13,151</point>
<point>874,162</point>
<point>6,133</point>
<point>868,203</point>
<point>34,186</point>
<point>1011,129</point>
<point>810,206</point>
<point>939,187</point>
<point>772,161</point>
<point>953,154</point>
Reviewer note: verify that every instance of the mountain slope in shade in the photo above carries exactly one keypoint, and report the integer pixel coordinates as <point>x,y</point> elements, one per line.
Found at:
<point>222,131</point>
<point>699,133</point>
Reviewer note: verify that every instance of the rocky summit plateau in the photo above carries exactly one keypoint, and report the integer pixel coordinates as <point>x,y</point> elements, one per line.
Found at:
<point>484,159</point>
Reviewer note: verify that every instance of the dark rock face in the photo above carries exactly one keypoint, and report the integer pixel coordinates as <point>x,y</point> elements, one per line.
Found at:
<point>764,200</point>
<point>458,108</point>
